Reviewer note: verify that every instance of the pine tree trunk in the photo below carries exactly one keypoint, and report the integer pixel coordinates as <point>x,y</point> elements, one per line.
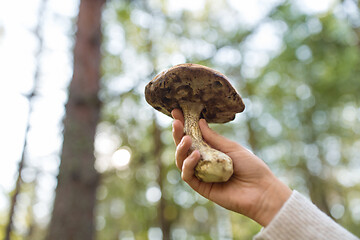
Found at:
<point>73,213</point>
<point>22,164</point>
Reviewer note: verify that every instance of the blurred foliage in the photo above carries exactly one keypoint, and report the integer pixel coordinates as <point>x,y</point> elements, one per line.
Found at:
<point>298,73</point>
<point>299,76</point>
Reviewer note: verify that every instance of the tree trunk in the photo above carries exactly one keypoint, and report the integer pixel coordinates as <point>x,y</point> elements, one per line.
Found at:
<point>73,213</point>
<point>39,36</point>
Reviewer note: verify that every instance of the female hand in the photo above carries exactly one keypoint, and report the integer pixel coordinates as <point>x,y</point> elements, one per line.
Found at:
<point>253,190</point>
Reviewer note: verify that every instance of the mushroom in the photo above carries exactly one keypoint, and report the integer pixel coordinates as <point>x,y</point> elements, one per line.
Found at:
<point>200,92</point>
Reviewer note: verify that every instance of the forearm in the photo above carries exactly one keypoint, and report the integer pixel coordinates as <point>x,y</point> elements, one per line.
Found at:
<point>300,219</point>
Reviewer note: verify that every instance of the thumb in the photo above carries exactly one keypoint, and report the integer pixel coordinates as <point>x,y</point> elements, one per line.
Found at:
<point>216,140</point>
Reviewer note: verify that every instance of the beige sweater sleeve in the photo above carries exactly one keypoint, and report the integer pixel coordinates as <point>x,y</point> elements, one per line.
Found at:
<point>300,219</point>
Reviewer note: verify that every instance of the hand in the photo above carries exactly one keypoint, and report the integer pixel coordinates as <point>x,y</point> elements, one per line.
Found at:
<point>253,190</point>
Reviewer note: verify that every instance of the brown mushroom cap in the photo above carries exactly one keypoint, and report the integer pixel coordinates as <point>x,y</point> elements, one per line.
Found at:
<point>198,84</point>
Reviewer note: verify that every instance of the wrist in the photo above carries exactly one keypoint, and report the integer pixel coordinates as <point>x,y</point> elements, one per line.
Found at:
<point>274,196</point>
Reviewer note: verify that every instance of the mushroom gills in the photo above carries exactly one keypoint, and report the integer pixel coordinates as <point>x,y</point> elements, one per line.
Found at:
<point>214,166</point>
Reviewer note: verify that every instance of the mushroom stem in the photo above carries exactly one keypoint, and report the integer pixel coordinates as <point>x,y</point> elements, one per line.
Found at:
<point>214,166</point>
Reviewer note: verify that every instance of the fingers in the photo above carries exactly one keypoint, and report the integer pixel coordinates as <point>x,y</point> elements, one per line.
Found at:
<point>189,165</point>
<point>186,163</point>
<point>178,125</point>
<point>177,114</point>
<point>215,140</point>
<point>182,151</point>
<point>188,175</point>
<point>178,131</point>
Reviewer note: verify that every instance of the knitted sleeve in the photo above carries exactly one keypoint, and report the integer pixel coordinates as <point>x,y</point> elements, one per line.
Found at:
<point>300,219</point>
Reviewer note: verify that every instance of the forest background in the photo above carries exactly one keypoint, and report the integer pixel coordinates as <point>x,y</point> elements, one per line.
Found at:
<point>295,63</point>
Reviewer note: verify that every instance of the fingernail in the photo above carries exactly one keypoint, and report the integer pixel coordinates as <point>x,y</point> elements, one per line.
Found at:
<point>193,154</point>
<point>181,142</point>
<point>205,122</point>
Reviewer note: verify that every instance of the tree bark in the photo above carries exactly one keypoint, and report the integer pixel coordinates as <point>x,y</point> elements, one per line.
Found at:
<point>73,213</point>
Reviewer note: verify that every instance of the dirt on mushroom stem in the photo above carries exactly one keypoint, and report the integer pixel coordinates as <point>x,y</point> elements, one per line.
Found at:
<point>200,92</point>
<point>214,166</point>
